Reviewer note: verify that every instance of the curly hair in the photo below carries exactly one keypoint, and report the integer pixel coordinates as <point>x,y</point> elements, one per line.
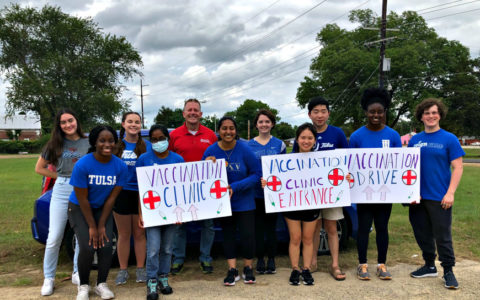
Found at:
<point>426,104</point>
<point>95,132</point>
<point>375,95</point>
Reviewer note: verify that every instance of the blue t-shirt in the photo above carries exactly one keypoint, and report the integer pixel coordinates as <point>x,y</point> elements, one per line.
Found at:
<point>99,178</point>
<point>437,150</point>
<point>332,138</point>
<point>129,158</point>
<point>243,173</point>
<point>274,146</point>
<point>150,159</point>
<point>366,138</point>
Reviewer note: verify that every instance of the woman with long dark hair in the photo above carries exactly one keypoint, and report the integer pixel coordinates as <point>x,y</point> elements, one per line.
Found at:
<point>125,211</point>
<point>375,134</point>
<point>65,147</point>
<point>265,224</point>
<point>97,179</point>
<point>243,174</point>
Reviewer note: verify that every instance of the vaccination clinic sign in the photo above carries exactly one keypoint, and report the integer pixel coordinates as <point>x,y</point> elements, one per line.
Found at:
<point>178,193</point>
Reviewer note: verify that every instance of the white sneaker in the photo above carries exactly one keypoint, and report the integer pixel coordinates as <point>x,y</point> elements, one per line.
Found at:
<point>83,292</point>
<point>47,287</point>
<point>103,291</point>
<point>75,278</point>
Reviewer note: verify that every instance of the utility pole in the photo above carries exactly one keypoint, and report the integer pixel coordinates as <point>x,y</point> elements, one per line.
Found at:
<point>383,35</point>
<point>141,101</point>
<point>248,130</point>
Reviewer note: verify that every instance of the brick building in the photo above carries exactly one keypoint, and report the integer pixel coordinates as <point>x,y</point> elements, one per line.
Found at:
<point>29,127</point>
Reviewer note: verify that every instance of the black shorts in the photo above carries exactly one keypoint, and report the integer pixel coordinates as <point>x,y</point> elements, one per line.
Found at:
<point>302,215</point>
<point>126,203</point>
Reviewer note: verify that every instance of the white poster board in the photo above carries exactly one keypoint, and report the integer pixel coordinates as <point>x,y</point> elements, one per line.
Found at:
<point>184,192</point>
<point>302,181</point>
<point>384,175</point>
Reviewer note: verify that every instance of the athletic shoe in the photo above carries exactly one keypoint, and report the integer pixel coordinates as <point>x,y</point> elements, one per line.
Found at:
<point>122,277</point>
<point>83,292</point>
<point>47,287</point>
<point>232,277</point>
<point>294,277</point>
<point>103,291</point>
<point>450,280</point>
<point>206,267</point>
<point>425,271</point>
<point>248,275</point>
<point>75,278</point>
<point>260,266</point>
<point>271,266</point>
<point>163,285</point>
<point>382,272</point>
<point>362,272</point>
<point>141,274</point>
<point>176,268</point>
<point>152,289</point>
<point>307,277</point>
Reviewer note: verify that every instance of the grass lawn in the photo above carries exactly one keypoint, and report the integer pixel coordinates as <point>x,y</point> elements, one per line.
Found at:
<point>472,152</point>
<point>21,256</point>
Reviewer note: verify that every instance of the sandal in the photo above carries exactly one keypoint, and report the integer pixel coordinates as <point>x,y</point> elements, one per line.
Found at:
<point>336,273</point>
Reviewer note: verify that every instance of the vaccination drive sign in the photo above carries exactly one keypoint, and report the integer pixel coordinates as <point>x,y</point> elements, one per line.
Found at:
<point>176,193</point>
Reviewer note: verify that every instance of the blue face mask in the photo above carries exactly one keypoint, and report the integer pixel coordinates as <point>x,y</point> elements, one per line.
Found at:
<point>160,146</point>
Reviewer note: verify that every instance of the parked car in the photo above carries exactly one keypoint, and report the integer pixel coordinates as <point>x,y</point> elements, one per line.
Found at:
<point>346,227</point>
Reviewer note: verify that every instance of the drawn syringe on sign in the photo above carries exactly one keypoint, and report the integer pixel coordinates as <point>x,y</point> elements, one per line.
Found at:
<point>339,196</point>
<point>271,200</point>
<point>162,215</point>
<point>219,209</point>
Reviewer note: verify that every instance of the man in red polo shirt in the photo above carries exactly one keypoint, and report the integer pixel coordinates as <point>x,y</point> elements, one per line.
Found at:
<point>190,141</point>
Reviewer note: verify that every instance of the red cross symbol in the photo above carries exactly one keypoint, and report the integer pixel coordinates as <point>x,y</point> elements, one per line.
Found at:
<point>351,182</point>
<point>217,190</point>
<point>150,201</point>
<point>409,177</point>
<point>273,182</point>
<point>334,177</point>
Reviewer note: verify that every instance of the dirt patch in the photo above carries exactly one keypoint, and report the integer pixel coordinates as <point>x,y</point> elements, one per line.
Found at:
<point>5,156</point>
<point>276,287</point>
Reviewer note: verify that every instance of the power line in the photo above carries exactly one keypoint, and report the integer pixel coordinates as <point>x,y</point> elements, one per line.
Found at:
<point>463,12</point>
<point>438,5</point>
<point>461,4</point>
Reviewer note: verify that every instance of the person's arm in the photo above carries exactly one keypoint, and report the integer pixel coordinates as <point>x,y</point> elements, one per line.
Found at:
<point>253,176</point>
<point>107,209</point>
<point>82,197</point>
<point>457,171</point>
<point>42,168</point>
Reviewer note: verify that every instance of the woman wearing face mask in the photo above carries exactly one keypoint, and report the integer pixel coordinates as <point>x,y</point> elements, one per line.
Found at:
<point>243,174</point>
<point>129,148</point>
<point>66,146</point>
<point>375,134</point>
<point>97,179</point>
<point>159,238</point>
<point>265,144</point>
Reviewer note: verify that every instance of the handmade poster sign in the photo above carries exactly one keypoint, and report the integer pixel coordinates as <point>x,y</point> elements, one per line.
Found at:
<point>384,175</point>
<point>183,192</point>
<point>302,181</point>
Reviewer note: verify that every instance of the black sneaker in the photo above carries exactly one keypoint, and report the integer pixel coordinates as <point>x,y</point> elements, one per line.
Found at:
<point>260,266</point>
<point>176,268</point>
<point>425,271</point>
<point>232,277</point>
<point>294,277</point>
<point>450,280</point>
<point>248,275</point>
<point>307,277</point>
<point>206,267</point>
<point>163,285</point>
<point>271,266</point>
<point>152,289</point>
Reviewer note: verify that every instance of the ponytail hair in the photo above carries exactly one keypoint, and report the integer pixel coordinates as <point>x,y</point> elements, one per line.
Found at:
<point>140,146</point>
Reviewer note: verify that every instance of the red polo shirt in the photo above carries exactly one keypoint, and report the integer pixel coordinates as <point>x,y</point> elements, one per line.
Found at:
<point>189,146</point>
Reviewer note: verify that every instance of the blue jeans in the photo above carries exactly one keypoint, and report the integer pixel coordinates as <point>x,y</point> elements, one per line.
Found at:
<point>206,242</point>
<point>159,250</point>
<point>58,220</point>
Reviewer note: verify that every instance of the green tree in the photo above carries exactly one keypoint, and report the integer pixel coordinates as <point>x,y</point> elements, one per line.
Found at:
<point>423,65</point>
<point>169,117</point>
<point>246,112</point>
<point>283,131</point>
<point>54,60</point>
<point>210,122</point>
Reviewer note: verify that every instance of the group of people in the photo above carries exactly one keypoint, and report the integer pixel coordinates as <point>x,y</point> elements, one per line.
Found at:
<point>96,184</point>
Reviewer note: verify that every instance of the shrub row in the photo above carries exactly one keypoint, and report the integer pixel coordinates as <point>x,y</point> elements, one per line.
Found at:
<point>14,147</point>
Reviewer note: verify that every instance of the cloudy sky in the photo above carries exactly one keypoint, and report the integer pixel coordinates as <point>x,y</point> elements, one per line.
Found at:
<point>224,52</point>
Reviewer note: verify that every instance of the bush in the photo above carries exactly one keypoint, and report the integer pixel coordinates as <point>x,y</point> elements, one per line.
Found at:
<point>13,147</point>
